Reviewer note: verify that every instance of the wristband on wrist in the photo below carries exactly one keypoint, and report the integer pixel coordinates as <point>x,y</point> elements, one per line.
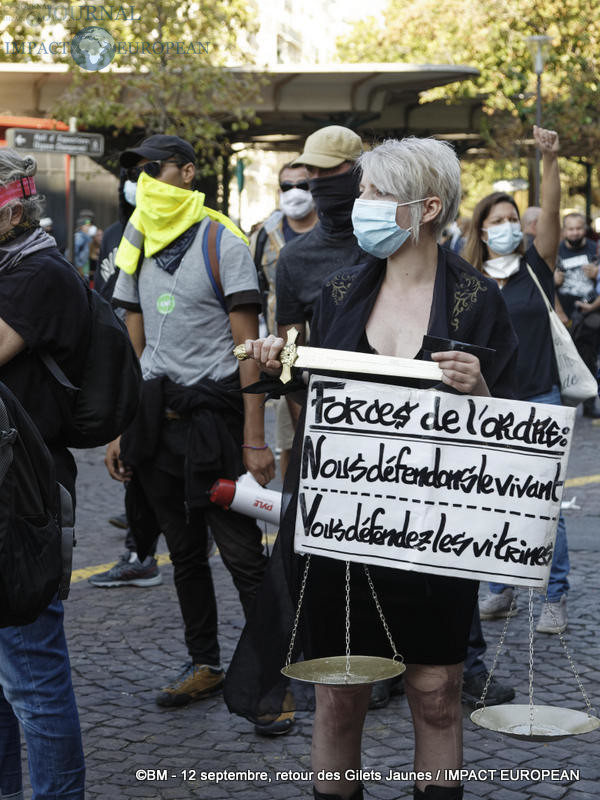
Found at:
<point>254,447</point>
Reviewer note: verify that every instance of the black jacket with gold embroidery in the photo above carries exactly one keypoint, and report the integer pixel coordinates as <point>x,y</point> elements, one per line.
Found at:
<point>466,306</point>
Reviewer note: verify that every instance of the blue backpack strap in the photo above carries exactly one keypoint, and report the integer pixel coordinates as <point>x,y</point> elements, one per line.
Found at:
<point>220,230</point>
<point>211,252</point>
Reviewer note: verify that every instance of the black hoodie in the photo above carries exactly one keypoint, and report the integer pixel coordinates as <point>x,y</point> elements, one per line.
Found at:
<point>106,272</point>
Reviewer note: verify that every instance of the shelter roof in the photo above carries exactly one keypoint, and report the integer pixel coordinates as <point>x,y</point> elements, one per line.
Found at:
<point>374,99</point>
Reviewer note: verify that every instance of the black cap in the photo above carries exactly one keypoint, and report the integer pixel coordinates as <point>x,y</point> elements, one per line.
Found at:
<point>158,148</point>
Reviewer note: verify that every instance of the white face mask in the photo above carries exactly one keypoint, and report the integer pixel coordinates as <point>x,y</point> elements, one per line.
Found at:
<point>503,266</point>
<point>92,230</point>
<point>129,192</point>
<point>296,203</point>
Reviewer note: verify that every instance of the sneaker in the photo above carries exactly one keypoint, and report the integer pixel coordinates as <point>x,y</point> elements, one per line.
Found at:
<point>496,606</point>
<point>553,618</point>
<point>497,694</point>
<point>129,573</point>
<point>193,683</point>
<point>278,726</point>
<point>119,521</point>
<point>268,725</point>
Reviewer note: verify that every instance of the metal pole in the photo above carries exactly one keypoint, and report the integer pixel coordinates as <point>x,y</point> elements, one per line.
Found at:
<point>588,191</point>
<point>69,233</point>
<point>538,122</point>
<point>71,215</point>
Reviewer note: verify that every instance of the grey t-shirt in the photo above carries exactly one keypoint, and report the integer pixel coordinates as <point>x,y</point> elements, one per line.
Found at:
<point>188,335</point>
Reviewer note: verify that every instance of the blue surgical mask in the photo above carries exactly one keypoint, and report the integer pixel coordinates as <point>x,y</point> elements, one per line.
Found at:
<point>504,238</point>
<point>129,191</point>
<point>375,226</point>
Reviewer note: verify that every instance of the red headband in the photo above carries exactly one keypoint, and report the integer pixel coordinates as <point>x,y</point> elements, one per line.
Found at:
<point>22,187</point>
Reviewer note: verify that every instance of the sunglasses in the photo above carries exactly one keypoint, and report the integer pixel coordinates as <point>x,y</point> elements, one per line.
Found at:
<point>287,185</point>
<point>152,168</point>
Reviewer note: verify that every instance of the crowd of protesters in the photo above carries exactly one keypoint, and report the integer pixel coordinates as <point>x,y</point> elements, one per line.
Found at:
<point>190,286</point>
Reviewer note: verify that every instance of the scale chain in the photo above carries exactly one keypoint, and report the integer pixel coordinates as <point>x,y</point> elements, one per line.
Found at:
<point>347,620</point>
<point>563,641</point>
<point>497,654</point>
<point>381,617</point>
<point>531,706</point>
<point>288,660</point>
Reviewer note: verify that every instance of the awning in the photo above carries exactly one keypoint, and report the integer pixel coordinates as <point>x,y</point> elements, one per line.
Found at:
<point>376,100</point>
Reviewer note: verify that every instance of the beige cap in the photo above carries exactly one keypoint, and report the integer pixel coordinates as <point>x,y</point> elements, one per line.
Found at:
<point>329,147</point>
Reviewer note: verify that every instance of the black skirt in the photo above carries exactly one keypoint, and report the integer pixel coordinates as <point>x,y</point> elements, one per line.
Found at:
<point>429,616</point>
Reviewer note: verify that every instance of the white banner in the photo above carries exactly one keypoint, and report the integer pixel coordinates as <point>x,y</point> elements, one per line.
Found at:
<point>431,481</point>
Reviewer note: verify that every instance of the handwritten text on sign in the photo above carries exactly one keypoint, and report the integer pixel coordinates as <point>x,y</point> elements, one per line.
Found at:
<point>432,482</point>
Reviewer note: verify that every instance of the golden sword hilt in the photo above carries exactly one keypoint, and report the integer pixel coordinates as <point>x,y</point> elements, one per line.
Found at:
<point>288,355</point>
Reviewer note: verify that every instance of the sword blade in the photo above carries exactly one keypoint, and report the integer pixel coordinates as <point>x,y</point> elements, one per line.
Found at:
<point>367,363</point>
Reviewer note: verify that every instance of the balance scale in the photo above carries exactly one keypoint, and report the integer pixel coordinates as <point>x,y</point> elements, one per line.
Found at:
<point>346,670</point>
<point>528,722</point>
<point>531,722</point>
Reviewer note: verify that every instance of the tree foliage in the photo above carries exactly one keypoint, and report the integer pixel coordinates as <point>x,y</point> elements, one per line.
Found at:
<point>492,36</point>
<point>479,175</point>
<point>172,72</point>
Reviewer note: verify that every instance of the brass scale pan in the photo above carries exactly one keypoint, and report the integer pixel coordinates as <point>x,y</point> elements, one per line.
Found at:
<point>332,671</point>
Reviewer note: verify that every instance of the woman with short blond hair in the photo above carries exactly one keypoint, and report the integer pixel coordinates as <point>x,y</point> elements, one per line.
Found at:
<point>407,288</point>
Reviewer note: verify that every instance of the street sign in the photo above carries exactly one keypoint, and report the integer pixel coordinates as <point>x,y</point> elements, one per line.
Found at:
<point>74,144</point>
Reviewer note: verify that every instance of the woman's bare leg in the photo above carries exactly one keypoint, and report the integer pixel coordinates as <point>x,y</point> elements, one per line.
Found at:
<point>337,732</point>
<point>433,694</point>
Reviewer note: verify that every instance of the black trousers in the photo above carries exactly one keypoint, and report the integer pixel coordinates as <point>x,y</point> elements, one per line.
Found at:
<point>238,538</point>
<point>474,664</point>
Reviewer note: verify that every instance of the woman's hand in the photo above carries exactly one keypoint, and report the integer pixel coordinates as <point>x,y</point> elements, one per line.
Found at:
<point>546,141</point>
<point>266,353</point>
<point>548,227</point>
<point>462,371</point>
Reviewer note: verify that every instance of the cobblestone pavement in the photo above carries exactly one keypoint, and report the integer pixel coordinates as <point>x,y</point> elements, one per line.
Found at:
<point>126,643</point>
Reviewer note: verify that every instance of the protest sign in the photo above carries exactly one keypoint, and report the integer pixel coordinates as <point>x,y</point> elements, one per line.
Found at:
<point>432,481</point>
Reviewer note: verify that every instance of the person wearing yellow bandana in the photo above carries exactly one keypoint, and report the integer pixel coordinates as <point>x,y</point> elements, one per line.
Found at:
<point>194,424</point>
<point>162,214</point>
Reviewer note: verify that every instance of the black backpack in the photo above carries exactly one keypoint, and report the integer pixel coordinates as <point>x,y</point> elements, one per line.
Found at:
<point>109,395</point>
<point>36,519</point>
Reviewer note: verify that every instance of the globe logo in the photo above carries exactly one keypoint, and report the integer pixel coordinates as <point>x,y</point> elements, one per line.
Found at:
<point>93,48</point>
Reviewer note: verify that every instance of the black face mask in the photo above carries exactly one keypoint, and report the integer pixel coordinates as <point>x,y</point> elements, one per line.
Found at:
<point>334,198</point>
<point>576,243</point>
